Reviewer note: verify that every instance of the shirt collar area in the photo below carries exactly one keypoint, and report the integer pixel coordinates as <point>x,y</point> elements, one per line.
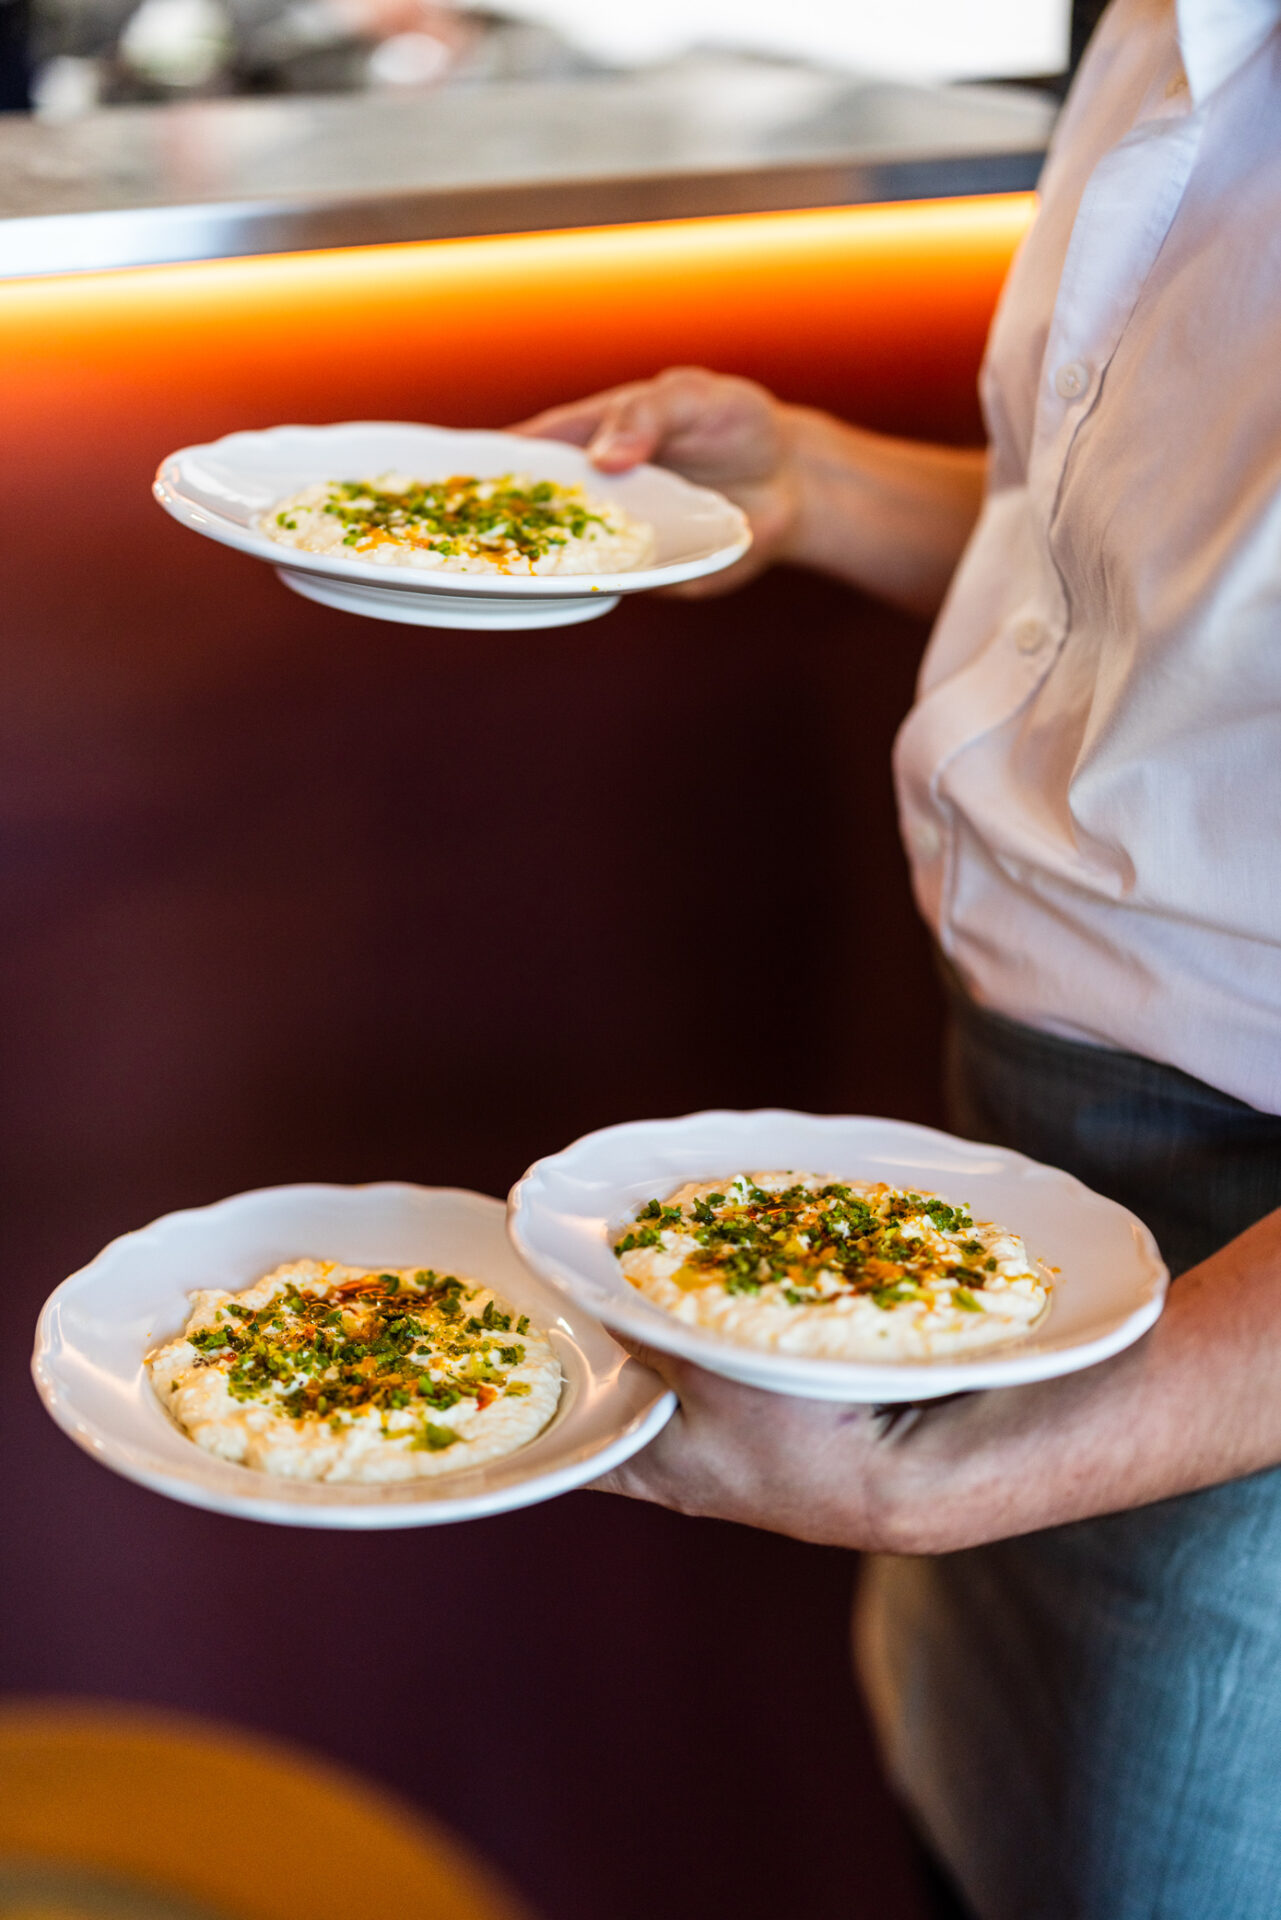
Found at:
<point>1218,36</point>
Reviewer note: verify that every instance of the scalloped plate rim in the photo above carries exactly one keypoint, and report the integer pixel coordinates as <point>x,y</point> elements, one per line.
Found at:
<point>187,1474</point>
<point>202,518</point>
<point>1044,1354</point>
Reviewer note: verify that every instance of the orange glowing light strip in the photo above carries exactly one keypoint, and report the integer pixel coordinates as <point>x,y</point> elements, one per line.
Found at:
<point>871,300</point>
<point>895,231</point>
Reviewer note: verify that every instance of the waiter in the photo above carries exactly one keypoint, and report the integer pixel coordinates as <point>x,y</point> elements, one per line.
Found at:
<point>1072,1635</point>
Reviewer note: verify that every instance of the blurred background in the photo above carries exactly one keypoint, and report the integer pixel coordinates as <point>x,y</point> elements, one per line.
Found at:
<point>86,52</point>
<point>291,896</point>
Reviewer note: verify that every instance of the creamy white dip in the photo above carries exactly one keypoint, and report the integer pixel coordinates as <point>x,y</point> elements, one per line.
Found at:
<point>842,1270</point>
<point>508,525</point>
<point>327,1372</point>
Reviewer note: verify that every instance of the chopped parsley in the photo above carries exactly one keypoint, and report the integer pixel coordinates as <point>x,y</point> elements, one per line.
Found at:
<point>502,519</point>
<point>383,1342</point>
<point>817,1243</point>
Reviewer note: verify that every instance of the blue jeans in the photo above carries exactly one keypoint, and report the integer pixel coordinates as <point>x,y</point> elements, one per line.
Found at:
<point>1087,1721</point>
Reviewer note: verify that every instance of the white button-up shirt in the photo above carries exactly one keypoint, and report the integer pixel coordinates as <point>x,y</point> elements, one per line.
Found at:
<point>1090,781</point>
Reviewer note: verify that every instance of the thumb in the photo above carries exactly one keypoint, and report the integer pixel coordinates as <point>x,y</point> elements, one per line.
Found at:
<point>670,1368</point>
<point>629,431</point>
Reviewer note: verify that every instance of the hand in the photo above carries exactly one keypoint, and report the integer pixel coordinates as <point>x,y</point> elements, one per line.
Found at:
<point>889,516</point>
<point>915,1478</point>
<point>715,430</point>
<point>808,1468</point>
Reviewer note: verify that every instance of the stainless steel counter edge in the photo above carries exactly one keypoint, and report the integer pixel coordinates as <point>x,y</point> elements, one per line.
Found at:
<point>154,236</point>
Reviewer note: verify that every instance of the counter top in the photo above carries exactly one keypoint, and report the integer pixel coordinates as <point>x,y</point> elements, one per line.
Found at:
<point>128,186</point>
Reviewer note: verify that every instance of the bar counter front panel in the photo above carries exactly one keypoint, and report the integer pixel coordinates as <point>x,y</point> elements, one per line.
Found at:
<point>298,896</point>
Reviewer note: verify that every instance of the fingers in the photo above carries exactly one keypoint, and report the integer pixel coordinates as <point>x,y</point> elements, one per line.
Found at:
<point>631,429</point>
<point>626,1485</point>
<point>692,1384</point>
<point>632,1479</point>
<point>628,424</point>
<point>619,428</point>
<point>640,422</point>
<point>575,422</point>
<point>648,1475</point>
<point>733,1452</point>
<point>652,1357</point>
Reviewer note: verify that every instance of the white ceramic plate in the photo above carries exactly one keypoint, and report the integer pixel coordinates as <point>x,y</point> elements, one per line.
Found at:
<point>1109,1289</point>
<point>220,489</point>
<point>97,1326</point>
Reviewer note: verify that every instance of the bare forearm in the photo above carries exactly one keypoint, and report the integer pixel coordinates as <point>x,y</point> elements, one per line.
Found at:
<point>890,516</point>
<point>1198,1401</point>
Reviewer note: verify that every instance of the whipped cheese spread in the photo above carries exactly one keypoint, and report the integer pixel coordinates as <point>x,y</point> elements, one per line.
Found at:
<point>510,525</point>
<point>326,1372</point>
<point>838,1269</point>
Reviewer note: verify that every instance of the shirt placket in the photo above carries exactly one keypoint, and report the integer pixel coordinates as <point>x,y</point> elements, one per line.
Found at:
<point>1123,218</point>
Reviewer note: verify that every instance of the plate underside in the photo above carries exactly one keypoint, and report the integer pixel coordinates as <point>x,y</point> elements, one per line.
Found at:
<point>414,608</point>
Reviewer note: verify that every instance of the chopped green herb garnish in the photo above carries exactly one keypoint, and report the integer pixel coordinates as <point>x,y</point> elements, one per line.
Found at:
<point>816,1244</point>
<point>497,519</point>
<point>366,1348</point>
<point>210,1339</point>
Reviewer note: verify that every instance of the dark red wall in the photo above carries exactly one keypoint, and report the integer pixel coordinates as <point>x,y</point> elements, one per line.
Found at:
<point>290,896</point>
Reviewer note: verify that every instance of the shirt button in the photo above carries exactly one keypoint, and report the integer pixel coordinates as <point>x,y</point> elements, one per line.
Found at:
<point>927,841</point>
<point>1071,380</point>
<point>1030,635</point>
